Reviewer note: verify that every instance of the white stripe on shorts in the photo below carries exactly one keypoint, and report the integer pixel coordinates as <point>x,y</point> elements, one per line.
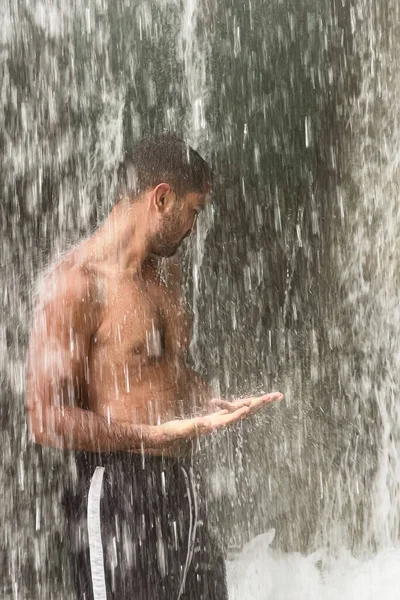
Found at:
<point>94,531</point>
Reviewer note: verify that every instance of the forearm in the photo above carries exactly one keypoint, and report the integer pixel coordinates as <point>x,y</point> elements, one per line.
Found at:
<point>78,429</point>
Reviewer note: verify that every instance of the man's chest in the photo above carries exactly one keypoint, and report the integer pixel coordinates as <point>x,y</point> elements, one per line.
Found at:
<point>142,319</point>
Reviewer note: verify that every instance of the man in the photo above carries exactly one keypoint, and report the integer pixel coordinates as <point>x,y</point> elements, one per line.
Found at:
<point>107,378</point>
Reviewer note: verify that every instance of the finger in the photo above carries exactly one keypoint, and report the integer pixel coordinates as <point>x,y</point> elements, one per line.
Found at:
<point>258,403</point>
<point>203,425</point>
<point>274,397</point>
<point>231,406</point>
<point>218,402</point>
<point>219,421</point>
<point>266,398</point>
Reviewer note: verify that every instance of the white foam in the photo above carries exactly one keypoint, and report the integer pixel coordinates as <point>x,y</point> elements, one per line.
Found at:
<point>261,573</point>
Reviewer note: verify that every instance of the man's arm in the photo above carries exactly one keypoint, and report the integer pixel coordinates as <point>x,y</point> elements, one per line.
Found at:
<point>56,371</point>
<point>64,320</point>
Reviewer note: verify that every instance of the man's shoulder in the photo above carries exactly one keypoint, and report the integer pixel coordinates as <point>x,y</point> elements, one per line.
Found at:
<point>69,281</point>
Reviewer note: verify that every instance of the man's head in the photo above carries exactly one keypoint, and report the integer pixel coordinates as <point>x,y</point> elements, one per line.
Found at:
<point>172,181</point>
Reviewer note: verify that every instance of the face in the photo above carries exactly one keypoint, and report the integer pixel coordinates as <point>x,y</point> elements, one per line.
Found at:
<point>176,221</point>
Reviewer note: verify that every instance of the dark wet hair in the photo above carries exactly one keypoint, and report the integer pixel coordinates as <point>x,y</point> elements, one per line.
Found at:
<point>162,159</point>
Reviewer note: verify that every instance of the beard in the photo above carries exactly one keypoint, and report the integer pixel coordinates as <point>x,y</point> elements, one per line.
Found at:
<point>166,242</point>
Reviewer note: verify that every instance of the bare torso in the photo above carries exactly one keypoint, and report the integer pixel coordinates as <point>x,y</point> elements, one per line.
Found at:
<point>136,367</point>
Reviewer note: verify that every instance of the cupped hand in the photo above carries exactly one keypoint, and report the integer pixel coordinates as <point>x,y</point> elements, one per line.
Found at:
<point>254,403</point>
<point>229,413</point>
<point>186,429</point>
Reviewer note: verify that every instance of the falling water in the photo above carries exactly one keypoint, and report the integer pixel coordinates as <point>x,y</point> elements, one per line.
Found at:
<point>373,225</point>
<point>292,276</point>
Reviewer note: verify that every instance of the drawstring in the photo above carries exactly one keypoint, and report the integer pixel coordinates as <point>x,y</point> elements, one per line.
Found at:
<point>94,534</point>
<point>192,500</point>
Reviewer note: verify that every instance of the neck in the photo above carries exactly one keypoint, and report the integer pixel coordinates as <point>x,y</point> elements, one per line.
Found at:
<point>121,241</point>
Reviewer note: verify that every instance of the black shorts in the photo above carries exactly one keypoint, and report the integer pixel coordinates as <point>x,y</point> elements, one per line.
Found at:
<point>137,530</point>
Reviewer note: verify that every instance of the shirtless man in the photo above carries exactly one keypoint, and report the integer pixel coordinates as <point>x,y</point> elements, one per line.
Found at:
<point>107,379</point>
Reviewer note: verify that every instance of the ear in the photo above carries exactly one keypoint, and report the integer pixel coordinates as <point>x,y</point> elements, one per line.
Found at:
<point>163,197</point>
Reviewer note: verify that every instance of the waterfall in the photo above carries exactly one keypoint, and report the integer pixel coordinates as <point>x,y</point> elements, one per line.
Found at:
<point>292,275</point>
<point>369,262</point>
